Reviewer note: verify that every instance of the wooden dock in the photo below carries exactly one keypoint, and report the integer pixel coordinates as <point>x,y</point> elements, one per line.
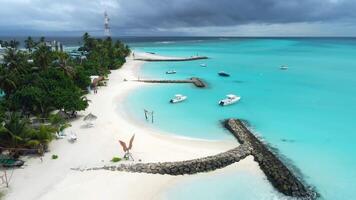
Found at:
<point>194,80</point>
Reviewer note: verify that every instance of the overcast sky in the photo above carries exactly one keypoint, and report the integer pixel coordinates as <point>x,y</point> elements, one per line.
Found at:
<point>180,17</point>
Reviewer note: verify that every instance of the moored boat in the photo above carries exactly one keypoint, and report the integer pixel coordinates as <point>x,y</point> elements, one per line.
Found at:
<point>171,72</point>
<point>203,65</point>
<point>283,67</point>
<point>178,98</point>
<point>231,99</point>
<point>222,73</point>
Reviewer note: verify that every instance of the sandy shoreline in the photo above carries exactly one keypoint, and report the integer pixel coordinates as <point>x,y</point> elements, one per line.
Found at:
<point>53,179</point>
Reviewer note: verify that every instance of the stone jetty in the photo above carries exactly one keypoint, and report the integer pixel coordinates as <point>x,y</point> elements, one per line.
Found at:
<point>277,173</point>
<point>169,59</point>
<point>195,166</point>
<point>196,81</point>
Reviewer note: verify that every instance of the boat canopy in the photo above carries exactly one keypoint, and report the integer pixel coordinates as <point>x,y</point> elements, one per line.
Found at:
<point>231,96</point>
<point>178,95</point>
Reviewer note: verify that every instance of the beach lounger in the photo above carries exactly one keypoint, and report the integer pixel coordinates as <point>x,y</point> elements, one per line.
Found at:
<point>60,135</point>
<point>72,137</point>
<point>6,161</point>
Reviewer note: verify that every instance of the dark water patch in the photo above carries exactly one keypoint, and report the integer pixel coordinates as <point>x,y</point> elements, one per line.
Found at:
<point>288,140</point>
<point>238,81</point>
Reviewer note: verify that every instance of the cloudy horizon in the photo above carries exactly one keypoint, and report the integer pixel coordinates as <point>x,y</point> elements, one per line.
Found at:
<point>180,18</point>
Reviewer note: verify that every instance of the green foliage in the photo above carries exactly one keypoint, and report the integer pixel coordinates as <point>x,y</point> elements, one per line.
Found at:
<point>56,120</point>
<point>30,44</point>
<point>54,81</point>
<point>105,53</point>
<point>81,78</point>
<point>17,132</point>
<point>54,157</point>
<point>43,57</point>
<point>2,112</point>
<point>115,159</point>
<point>44,134</point>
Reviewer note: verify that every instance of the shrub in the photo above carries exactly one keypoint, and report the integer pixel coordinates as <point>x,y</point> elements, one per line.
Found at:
<point>54,157</point>
<point>115,159</point>
<point>33,143</point>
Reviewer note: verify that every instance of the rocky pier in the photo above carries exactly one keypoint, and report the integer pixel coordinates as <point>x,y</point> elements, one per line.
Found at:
<point>194,166</point>
<point>277,173</point>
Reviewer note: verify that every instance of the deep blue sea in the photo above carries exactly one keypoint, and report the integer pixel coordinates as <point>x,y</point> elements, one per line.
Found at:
<point>307,113</point>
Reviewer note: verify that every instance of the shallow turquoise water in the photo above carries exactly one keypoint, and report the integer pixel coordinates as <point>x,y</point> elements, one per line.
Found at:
<point>307,112</point>
<point>242,184</point>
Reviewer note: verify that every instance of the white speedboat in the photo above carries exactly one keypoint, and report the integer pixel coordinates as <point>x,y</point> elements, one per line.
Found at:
<point>283,67</point>
<point>203,65</point>
<point>178,98</point>
<point>231,99</point>
<point>171,72</point>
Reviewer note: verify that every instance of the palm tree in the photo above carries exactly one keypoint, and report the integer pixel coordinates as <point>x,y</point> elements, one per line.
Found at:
<point>14,129</point>
<point>43,56</point>
<point>62,59</point>
<point>7,83</point>
<point>89,42</point>
<point>42,39</point>
<point>29,44</point>
<point>14,44</point>
<point>14,60</point>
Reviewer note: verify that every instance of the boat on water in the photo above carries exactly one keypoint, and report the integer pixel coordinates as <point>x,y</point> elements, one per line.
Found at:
<point>178,98</point>
<point>203,65</point>
<point>171,72</point>
<point>230,99</point>
<point>283,67</point>
<point>222,73</point>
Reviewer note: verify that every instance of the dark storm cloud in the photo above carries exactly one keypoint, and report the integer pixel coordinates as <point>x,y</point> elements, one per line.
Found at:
<point>150,16</point>
<point>168,13</point>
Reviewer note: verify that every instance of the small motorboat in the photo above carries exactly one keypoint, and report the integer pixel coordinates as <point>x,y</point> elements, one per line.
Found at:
<point>222,73</point>
<point>178,98</point>
<point>203,65</point>
<point>171,72</point>
<point>283,67</point>
<point>231,99</point>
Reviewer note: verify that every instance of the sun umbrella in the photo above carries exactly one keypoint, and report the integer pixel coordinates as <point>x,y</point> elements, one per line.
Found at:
<point>89,118</point>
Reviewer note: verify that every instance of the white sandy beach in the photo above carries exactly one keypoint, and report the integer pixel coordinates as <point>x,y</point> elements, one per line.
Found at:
<point>54,179</point>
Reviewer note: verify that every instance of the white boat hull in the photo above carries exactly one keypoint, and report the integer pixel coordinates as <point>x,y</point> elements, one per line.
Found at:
<point>227,102</point>
<point>175,100</point>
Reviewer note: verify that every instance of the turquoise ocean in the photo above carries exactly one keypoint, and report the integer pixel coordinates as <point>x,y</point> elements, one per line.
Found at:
<point>307,113</point>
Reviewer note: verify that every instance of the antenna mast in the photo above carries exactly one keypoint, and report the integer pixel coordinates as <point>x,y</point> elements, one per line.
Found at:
<point>106,25</point>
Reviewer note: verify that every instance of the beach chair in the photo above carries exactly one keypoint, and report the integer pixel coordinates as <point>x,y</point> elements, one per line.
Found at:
<point>60,135</point>
<point>72,137</point>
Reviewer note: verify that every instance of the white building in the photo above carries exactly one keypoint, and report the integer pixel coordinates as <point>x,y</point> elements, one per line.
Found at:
<point>2,52</point>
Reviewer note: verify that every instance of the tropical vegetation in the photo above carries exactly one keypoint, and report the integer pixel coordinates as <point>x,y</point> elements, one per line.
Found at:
<point>41,81</point>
